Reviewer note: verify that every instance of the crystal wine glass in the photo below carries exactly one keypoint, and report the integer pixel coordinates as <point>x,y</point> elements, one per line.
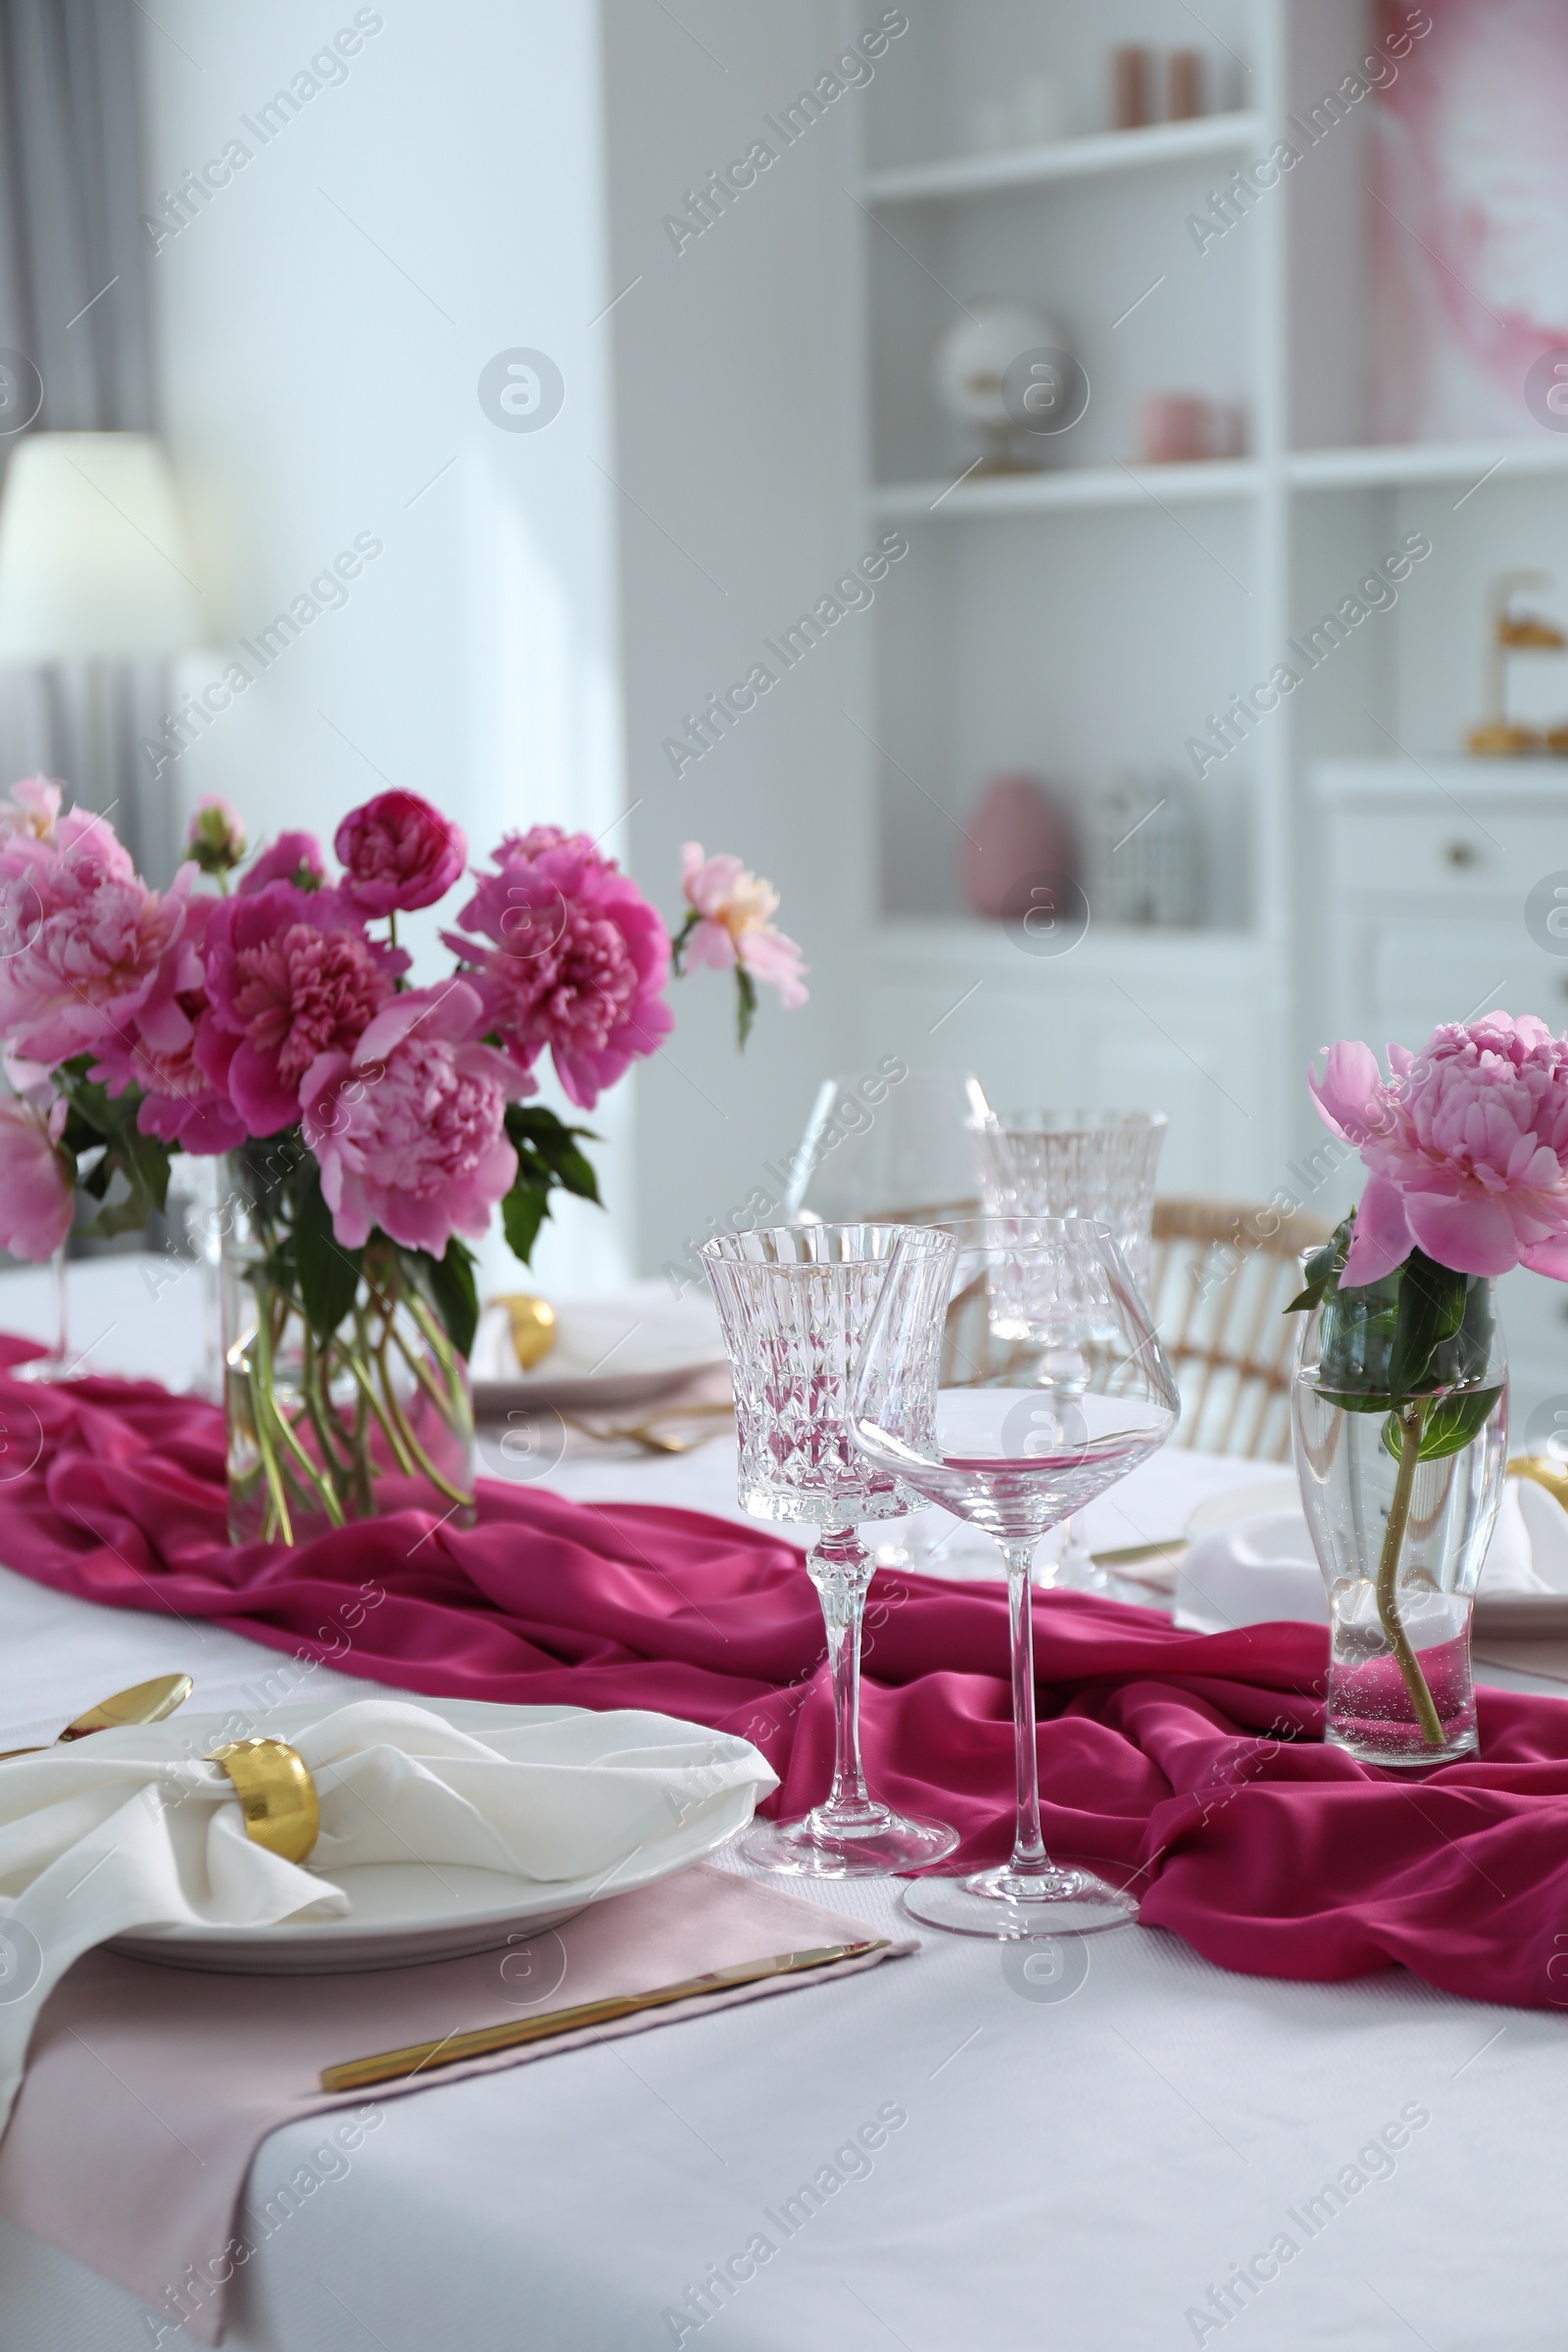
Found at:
<point>794,1304</point>
<point>1076,1164</point>
<point>1053,1387</point>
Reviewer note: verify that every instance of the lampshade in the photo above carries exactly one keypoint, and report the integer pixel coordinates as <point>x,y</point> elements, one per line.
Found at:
<point>93,557</point>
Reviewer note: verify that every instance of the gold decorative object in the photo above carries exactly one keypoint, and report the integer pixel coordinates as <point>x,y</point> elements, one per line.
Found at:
<point>389,2066</point>
<point>1545,1470</point>
<point>276,1794</point>
<point>1499,737</point>
<point>143,1702</point>
<point>533,1327</point>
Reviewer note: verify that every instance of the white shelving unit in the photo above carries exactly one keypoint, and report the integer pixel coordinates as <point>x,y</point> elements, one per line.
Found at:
<point>1088,620</point>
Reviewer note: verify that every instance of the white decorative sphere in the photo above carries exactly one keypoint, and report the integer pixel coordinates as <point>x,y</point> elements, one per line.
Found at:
<point>973,355</point>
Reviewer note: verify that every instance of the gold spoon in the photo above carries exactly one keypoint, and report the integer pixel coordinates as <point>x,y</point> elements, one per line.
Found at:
<point>144,1703</point>
<point>276,1794</point>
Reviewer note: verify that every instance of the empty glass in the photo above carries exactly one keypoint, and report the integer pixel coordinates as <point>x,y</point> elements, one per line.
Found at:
<point>1026,1430</point>
<point>1077,1163</point>
<point>794,1304</point>
<point>890,1142</point>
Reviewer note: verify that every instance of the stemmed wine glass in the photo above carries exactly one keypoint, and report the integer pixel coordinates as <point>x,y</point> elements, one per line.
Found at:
<point>794,1304</point>
<point>1053,1387</point>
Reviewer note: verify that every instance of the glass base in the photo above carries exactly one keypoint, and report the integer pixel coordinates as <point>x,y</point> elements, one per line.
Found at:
<point>1008,1906</point>
<point>1403,1747</point>
<point>873,1844</point>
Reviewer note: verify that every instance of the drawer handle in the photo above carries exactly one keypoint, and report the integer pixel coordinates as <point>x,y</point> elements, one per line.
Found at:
<point>1462,854</point>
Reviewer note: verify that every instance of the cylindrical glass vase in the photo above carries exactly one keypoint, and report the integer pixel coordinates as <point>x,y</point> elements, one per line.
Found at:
<point>1400,1495</point>
<point>325,1427</point>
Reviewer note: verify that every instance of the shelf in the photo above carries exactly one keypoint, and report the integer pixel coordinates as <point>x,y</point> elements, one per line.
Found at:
<point>980,496</point>
<point>1065,159</point>
<point>1468,461</point>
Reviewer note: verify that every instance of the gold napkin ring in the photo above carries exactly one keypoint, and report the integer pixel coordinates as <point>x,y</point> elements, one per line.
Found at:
<point>276,1794</point>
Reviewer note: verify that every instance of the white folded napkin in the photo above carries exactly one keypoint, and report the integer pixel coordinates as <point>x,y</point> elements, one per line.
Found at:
<point>1263,1570</point>
<point>129,1828</point>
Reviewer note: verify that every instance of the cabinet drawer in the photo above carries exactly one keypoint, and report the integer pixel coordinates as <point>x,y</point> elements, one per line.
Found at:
<point>1400,851</point>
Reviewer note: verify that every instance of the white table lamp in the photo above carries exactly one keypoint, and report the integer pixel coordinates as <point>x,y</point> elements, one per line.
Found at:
<point>94,561</point>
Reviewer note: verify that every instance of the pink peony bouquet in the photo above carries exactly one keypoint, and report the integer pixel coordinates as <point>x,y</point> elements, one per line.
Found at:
<point>274,1015</point>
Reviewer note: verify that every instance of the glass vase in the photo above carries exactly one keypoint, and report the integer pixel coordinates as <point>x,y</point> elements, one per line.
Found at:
<point>1400,1493</point>
<point>323,1428</point>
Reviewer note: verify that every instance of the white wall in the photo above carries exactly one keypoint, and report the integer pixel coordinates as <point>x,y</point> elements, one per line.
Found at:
<point>320,329</point>
<point>738,437</point>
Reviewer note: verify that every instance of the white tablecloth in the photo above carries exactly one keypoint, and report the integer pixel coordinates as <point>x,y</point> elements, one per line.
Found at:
<point>1082,2163</point>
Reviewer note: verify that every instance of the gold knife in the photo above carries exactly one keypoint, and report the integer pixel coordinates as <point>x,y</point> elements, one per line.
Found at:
<point>144,1703</point>
<point>358,2074</point>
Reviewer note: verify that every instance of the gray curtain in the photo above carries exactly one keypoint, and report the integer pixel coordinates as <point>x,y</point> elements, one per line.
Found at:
<point>74,301</point>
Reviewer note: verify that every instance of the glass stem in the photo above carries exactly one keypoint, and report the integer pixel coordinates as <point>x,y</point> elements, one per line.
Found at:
<point>841,1567</point>
<point>1028,1847</point>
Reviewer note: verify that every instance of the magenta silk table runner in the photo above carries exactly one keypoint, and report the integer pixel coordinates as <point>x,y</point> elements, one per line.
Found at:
<point>1192,1767</point>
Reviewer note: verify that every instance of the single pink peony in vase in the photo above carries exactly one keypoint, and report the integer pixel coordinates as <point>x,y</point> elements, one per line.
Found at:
<point>290,976</point>
<point>397,854</point>
<point>409,1129</point>
<point>734,926</point>
<point>36,1198</point>
<point>1467,1146</point>
<point>578,962</point>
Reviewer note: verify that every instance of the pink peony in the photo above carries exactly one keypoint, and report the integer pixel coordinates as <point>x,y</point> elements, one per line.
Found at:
<point>215,838</point>
<point>32,809</point>
<point>735,910</point>
<point>579,963</point>
<point>398,853</point>
<point>186,1105</point>
<point>295,858</point>
<point>35,1180</point>
<point>85,941</point>
<point>1468,1148</point>
<point>290,976</point>
<point>408,1128</point>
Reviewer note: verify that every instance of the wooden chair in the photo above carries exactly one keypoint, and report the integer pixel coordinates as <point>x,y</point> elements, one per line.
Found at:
<point>1220,1277</point>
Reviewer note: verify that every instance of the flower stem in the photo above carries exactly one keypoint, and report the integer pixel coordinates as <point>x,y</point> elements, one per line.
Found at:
<point>260,1379</point>
<point>1412,1415</point>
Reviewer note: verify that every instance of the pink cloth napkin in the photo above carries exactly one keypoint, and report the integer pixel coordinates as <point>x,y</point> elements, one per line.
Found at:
<point>150,2089</point>
<point>1190,1766</point>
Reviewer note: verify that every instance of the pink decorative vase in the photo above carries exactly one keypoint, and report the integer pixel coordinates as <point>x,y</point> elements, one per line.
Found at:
<point>1015,831</point>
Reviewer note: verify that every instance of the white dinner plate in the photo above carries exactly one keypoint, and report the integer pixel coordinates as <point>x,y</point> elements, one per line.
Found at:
<point>401,1913</point>
<point>628,1348</point>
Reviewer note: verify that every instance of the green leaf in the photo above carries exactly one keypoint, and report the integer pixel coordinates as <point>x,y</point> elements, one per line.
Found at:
<point>547,1149</point>
<point>1323,1268</point>
<point>746,1010</point>
<point>1452,1424</point>
<point>1359,1401</point>
<point>329,1274</point>
<point>448,1283</point>
<point>1431,1310</point>
<point>522,1211</point>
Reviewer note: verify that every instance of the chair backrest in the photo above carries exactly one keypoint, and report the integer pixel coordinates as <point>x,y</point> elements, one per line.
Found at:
<point>1220,1278</point>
